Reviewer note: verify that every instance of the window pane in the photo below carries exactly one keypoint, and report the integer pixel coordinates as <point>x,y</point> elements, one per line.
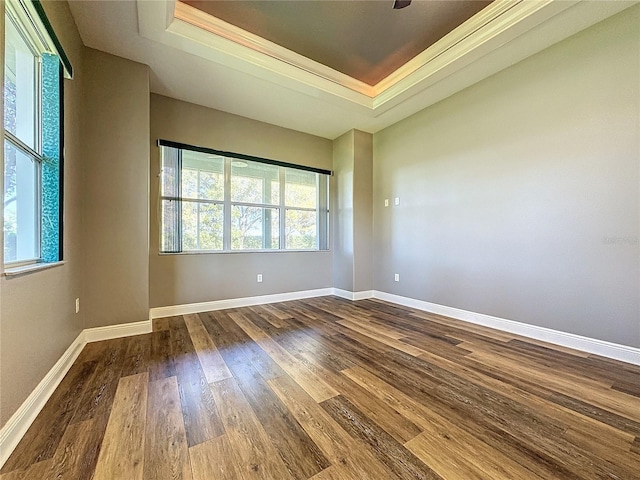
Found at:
<point>211,185</point>
<point>19,86</point>
<point>189,226</point>
<point>275,192</point>
<point>253,182</point>
<point>202,176</point>
<point>254,228</point>
<point>300,188</point>
<point>202,225</point>
<point>21,223</point>
<point>189,183</point>
<point>211,225</point>
<point>300,230</point>
<point>170,240</point>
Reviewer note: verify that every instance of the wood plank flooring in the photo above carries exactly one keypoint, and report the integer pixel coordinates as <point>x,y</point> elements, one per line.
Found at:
<point>329,389</point>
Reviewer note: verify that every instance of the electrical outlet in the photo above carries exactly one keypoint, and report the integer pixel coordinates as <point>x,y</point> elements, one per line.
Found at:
<point>396,277</point>
<point>259,278</point>
<point>386,202</point>
<point>77,305</point>
<point>396,201</point>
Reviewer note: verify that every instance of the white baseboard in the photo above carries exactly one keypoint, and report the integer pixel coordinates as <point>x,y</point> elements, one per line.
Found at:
<point>160,312</point>
<point>353,295</point>
<point>15,428</point>
<point>615,351</point>
<point>98,334</point>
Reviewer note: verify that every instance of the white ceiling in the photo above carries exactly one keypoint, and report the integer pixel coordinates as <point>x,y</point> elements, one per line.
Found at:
<point>233,71</point>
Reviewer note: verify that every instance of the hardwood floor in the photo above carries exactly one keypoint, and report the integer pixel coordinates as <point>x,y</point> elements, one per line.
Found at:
<point>327,389</point>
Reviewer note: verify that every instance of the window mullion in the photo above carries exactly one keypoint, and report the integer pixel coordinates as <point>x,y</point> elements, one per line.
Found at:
<point>38,100</point>
<point>323,212</point>
<point>282,211</point>
<point>38,226</point>
<point>226,228</point>
<point>20,145</point>
<point>266,214</point>
<point>198,211</point>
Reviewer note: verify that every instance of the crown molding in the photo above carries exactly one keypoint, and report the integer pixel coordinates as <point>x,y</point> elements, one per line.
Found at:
<point>216,26</point>
<point>450,51</point>
<point>497,24</point>
<point>481,19</point>
<point>188,29</point>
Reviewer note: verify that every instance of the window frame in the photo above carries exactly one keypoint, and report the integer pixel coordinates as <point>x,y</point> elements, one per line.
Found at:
<point>321,210</point>
<point>31,23</point>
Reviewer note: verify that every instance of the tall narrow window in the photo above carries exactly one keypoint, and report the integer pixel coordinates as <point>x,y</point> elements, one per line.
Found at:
<point>219,201</point>
<point>33,74</point>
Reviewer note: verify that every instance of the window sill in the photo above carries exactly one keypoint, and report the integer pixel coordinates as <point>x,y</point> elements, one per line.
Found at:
<point>236,252</point>
<point>25,269</point>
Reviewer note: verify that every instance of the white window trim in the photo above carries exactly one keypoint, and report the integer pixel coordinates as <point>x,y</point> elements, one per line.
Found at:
<point>12,271</point>
<point>28,23</point>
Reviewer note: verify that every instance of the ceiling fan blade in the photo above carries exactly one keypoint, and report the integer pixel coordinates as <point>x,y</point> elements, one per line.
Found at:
<point>398,4</point>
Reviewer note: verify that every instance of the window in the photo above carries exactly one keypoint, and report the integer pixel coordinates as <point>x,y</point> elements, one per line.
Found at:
<point>33,73</point>
<point>215,201</point>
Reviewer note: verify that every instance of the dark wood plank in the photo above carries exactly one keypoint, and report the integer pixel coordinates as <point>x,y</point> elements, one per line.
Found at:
<point>98,397</point>
<point>43,437</point>
<point>635,446</point>
<point>137,356</point>
<point>340,448</point>
<point>396,457</point>
<point>161,357</point>
<point>70,459</point>
<point>627,387</point>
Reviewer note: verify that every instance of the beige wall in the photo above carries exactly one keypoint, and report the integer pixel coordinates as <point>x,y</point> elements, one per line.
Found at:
<point>352,218</point>
<point>520,195</point>
<point>362,211</point>
<point>37,311</point>
<point>115,197</point>
<point>179,279</point>
<point>342,211</point>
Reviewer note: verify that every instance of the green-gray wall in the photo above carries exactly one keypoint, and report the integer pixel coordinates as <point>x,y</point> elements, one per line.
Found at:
<point>519,196</point>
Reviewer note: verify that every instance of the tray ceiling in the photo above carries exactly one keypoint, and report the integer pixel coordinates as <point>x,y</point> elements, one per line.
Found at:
<point>367,40</point>
<point>198,58</point>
